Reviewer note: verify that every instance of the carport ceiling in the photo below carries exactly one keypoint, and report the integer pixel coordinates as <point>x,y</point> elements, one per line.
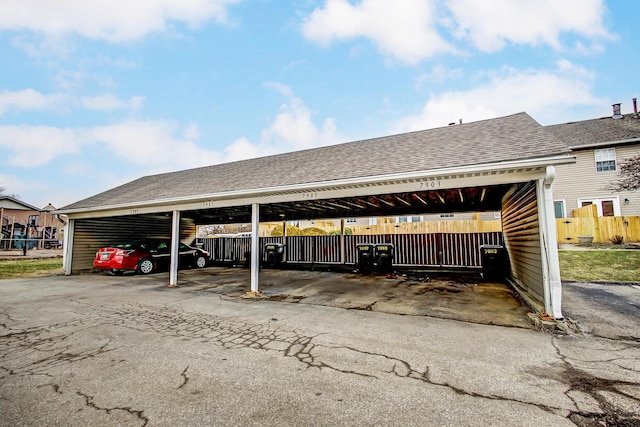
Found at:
<point>469,199</point>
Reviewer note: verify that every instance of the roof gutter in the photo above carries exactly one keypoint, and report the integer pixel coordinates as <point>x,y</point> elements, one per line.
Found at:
<point>367,180</point>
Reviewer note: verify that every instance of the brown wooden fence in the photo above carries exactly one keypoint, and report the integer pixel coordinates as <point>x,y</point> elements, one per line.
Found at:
<point>584,222</point>
<point>603,229</point>
<point>454,226</point>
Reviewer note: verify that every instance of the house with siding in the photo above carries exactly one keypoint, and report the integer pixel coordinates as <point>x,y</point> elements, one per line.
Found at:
<point>19,220</point>
<point>599,145</point>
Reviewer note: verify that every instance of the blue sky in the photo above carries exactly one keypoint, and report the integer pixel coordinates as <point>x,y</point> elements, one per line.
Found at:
<point>98,93</point>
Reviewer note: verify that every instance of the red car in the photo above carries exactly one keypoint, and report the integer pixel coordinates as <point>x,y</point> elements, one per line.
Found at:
<point>146,256</point>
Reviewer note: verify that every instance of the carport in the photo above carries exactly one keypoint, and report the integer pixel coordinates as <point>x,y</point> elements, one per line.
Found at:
<point>504,164</point>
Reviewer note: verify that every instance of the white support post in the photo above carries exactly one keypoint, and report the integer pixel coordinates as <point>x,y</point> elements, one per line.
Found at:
<point>67,256</point>
<point>255,249</point>
<point>343,254</point>
<point>549,246</point>
<point>284,240</point>
<point>1,223</point>
<point>175,244</point>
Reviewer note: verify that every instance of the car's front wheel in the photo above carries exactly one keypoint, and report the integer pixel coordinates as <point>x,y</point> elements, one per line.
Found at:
<point>200,261</point>
<point>145,266</point>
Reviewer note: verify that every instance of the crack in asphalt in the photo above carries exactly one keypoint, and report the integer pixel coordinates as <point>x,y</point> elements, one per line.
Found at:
<point>90,402</point>
<point>585,382</point>
<point>38,350</point>
<point>185,378</point>
<point>234,333</point>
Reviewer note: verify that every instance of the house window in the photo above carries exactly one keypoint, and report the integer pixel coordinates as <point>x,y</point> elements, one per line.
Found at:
<point>416,219</point>
<point>401,219</point>
<point>605,160</point>
<point>33,220</point>
<point>558,206</point>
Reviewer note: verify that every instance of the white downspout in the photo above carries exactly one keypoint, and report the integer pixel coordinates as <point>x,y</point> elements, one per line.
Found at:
<point>175,244</point>
<point>549,249</point>
<point>67,256</point>
<point>255,249</point>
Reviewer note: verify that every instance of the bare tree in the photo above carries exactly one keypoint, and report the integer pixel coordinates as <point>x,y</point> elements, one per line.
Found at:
<point>3,193</point>
<point>629,175</point>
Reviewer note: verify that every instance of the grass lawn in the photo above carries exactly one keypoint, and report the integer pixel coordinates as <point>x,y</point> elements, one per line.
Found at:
<point>11,269</point>
<point>600,265</point>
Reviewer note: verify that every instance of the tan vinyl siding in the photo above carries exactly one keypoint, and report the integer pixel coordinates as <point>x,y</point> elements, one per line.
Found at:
<point>522,238</point>
<point>580,181</point>
<point>92,234</point>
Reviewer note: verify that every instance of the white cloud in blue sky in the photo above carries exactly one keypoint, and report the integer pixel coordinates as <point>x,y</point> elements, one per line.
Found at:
<point>118,21</point>
<point>94,94</point>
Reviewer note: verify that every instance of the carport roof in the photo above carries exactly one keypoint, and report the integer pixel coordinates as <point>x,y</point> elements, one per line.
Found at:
<point>510,138</point>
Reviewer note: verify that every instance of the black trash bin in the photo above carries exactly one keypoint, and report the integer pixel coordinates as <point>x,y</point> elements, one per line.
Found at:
<point>364,260</point>
<point>383,254</point>
<point>494,262</point>
<point>274,253</point>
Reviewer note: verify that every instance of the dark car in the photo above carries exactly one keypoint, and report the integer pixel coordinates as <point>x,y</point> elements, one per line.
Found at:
<point>146,256</point>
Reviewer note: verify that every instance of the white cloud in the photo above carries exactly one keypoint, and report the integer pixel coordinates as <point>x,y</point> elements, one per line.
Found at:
<point>135,148</point>
<point>30,99</point>
<point>490,24</point>
<point>414,30</point>
<point>108,103</point>
<point>12,184</point>
<point>292,129</point>
<point>402,29</point>
<point>437,75</point>
<point>151,145</point>
<point>547,96</point>
<point>32,146</point>
<point>113,20</point>
<point>280,88</point>
<point>191,132</point>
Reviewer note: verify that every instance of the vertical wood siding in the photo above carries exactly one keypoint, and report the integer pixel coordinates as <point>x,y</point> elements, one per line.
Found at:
<point>522,239</point>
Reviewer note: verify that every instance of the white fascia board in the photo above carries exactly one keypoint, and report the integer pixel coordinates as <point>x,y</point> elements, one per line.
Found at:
<point>463,176</point>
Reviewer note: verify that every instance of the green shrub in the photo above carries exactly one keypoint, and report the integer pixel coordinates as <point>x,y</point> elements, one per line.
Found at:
<point>347,232</point>
<point>617,239</point>
<point>312,231</point>
<point>292,230</point>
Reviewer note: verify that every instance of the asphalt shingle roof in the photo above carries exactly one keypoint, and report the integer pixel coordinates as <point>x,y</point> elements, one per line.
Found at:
<point>514,137</point>
<point>595,131</point>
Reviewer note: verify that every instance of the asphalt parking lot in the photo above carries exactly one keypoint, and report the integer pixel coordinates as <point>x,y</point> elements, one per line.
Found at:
<point>96,349</point>
<point>461,297</point>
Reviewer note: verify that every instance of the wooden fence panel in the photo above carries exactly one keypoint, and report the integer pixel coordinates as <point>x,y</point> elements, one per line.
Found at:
<point>453,226</point>
<point>603,229</point>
